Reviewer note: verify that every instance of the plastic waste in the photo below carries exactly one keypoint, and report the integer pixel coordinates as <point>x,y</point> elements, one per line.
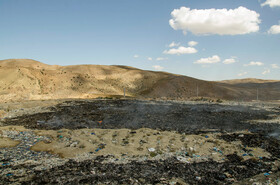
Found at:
<point>151,149</point>
<point>97,149</point>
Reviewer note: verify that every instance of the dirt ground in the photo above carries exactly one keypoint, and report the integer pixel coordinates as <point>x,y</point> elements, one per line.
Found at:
<point>140,142</point>
<point>7,142</point>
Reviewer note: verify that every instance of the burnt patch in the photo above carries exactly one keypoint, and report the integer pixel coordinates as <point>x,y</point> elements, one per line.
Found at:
<point>134,114</point>
<point>260,140</point>
<point>147,172</point>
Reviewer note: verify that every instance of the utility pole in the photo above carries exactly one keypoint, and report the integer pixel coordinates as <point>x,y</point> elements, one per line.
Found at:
<point>257,94</point>
<point>124,92</point>
<point>196,90</point>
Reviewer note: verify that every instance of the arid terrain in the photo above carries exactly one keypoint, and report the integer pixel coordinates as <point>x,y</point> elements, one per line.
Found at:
<point>24,79</point>
<point>126,141</point>
<point>72,125</point>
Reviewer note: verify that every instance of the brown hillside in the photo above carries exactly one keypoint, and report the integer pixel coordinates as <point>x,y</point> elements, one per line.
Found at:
<point>24,79</point>
<point>248,80</point>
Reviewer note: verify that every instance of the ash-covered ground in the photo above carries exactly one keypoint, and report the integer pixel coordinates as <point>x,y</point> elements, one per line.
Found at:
<point>185,117</point>
<point>186,143</point>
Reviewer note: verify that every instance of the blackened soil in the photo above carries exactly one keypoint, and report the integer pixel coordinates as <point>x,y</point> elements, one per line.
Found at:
<point>147,172</point>
<point>134,114</point>
<point>269,144</point>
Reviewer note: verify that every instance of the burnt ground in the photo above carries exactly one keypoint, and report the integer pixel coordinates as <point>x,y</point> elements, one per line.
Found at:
<point>134,114</point>
<point>148,172</point>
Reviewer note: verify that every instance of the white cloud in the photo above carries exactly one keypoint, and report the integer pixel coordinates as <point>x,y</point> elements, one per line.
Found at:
<point>157,67</point>
<point>173,44</point>
<point>215,21</point>
<point>161,58</point>
<point>229,61</point>
<point>266,71</point>
<point>150,59</point>
<point>271,3</point>
<point>242,74</point>
<point>136,56</point>
<point>192,43</point>
<point>209,60</point>
<point>275,66</point>
<point>254,64</point>
<point>180,50</point>
<point>275,29</point>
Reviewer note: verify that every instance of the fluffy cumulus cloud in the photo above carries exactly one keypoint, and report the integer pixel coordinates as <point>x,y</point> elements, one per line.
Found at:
<point>157,67</point>
<point>173,44</point>
<point>210,60</point>
<point>161,58</point>
<point>229,61</point>
<point>192,43</point>
<point>150,58</point>
<point>271,3</point>
<point>275,66</point>
<point>242,74</point>
<point>180,50</point>
<point>266,71</point>
<point>136,56</point>
<point>215,21</point>
<point>254,64</point>
<point>275,29</point>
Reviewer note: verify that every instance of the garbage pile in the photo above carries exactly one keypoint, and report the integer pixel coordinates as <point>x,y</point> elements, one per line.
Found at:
<point>140,142</point>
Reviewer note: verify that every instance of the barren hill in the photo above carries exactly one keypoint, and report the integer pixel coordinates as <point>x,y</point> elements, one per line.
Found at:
<point>248,80</point>
<point>24,79</point>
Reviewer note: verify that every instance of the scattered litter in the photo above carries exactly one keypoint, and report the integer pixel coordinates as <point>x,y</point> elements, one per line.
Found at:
<point>96,150</point>
<point>206,136</point>
<point>100,122</point>
<point>101,145</point>
<point>230,179</point>
<point>151,149</point>
<point>92,133</point>
<point>217,150</point>
<point>9,174</point>
<point>266,174</point>
<point>182,159</point>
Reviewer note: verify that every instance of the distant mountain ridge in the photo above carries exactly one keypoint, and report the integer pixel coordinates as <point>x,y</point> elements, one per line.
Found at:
<point>26,79</point>
<point>248,80</point>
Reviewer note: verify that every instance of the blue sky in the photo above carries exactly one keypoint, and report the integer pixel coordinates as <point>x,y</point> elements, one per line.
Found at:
<point>138,33</point>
